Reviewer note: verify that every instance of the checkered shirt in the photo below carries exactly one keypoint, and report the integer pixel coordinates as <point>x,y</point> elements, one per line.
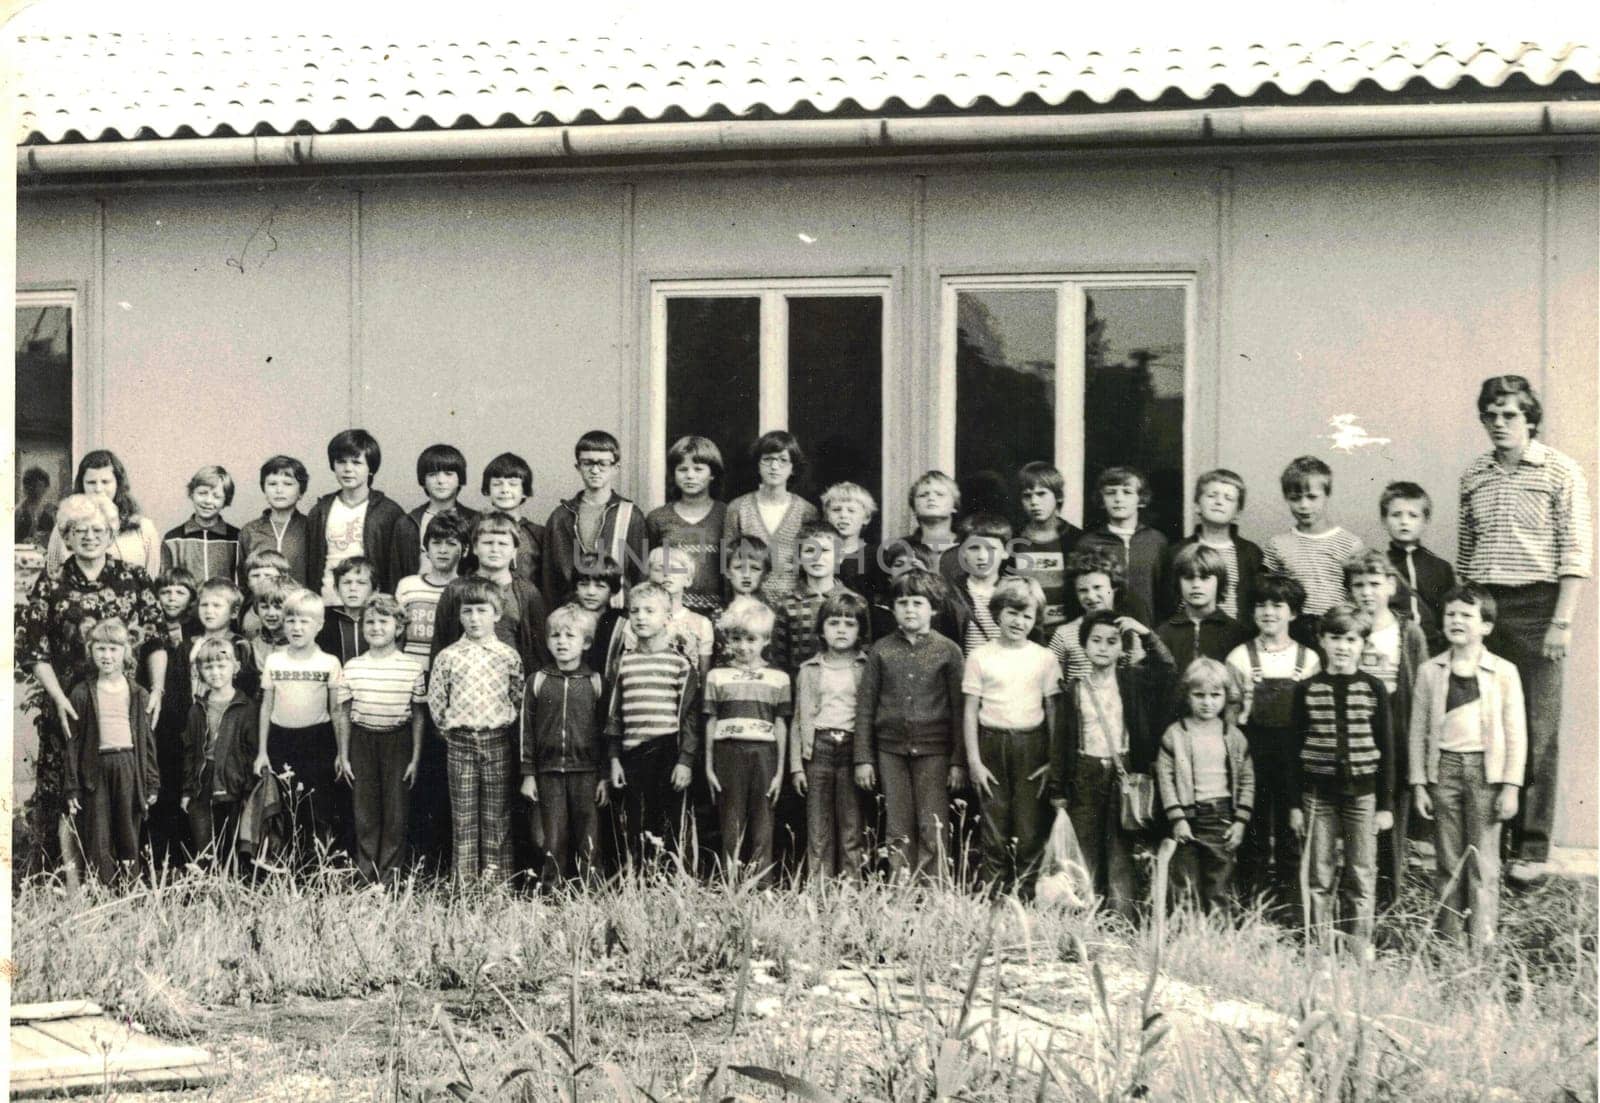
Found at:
<point>475,685</point>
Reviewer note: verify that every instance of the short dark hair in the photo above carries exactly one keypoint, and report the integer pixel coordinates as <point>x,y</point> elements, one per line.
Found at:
<point>922,583</point>
<point>1120,474</point>
<point>816,530</point>
<point>1301,470</point>
<point>597,440</point>
<point>1497,387</point>
<point>1343,618</point>
<point>753,547</point>
<point>1080,563</point>
<point>779,440</point>
<point>1275,586</point>
<point>286,465</point>
<point>841,602</point>
<point>1093,620</point>
<point>1220,475</point>
<point>446,526</point>
<point>1470,593</point>
<point>1404,492</point>
<point>508,465</point>
<point>356,442</point>
<point>178,576</point>
<point>35,477</point>
<point>1199,560</point>
<point>990,525</point>
<point>441,457</point>
<point>479,591</point>
<point>1037,474</point>
<point>597,565</point>
<point>354,563</point>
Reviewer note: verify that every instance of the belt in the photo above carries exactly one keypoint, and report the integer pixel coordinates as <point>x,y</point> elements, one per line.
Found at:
<point>116,750</point>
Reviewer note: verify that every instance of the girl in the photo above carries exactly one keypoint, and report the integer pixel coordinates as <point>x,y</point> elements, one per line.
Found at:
<point>1207,784</point>
<point>821,746</point>
<point>772,512</point>
<point>692,521</point>
<point>136,541</point>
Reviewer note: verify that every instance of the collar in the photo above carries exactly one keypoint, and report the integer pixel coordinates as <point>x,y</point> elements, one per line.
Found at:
<point>1536,454</point>
<point>192,526</point>
<point>914,641</point>
<point>1486,660</point>
<point>1182,617</point>
<point>111,568</point>
<point>266,515</point>
<point>582,670</point>
<point>858,659</point>
<point>573,502</point>
<point>1199,530</point>
<point>1404,549</point>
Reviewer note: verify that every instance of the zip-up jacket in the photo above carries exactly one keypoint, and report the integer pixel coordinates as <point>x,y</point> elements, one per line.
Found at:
<point>1144,690</point>
<point>82,758</point>
<point>1501,720</point>
<point>233,753</point>
<point>1175,773</point>
<point>1143,558</point>
<point>561,545</point>
<point>1213,636</point>
<point>561,723</point>
<point>377,540</point>
<point>294,542</point>
<point>341,635</point>
<point>910,700</point>
<point>406,554</point>
<point>204,552</point>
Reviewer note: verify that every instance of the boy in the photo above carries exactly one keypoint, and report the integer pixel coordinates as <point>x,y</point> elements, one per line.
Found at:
<point>419,594</point>
<point>1395,650</point>
<point>1199,629</point>
<point>747,709</point>
<point>1343,776</point>
<point>1219,498</point>
<point>898,557</point>
<point>520,621</point>
<point>650,729</point>
<point>111,774</point>
<point>221,738</point>
<point>1268,669</point>
<point>281,526</point>
<point>822,740</point>
<point>563,748</point>
<point>341,634</point>
<point>596,520</point>
<point>1469,747</point>
<point>508,484</point>
<point>381,697</point>
<point>691,633</point>
<point>300,716</point>
<point>749,563</point>
<point>1111,726</point>
<point>848,509</point>
<point>935,500</point>
<point>205,545</point>
<point>1047,538</point>
<point>264,569</point>
<point>269,635</point>
<point>1012,686</point>
<point>441,472</point>
<point>1314,553</point>
<point>217,608</point>
<point>176,594</point>
<point>599,582</point>
<point>1095,580</point>
<point>796,639</point>
<point>1406,510</point>
<point>983,554</point>
<point>1124,495</point>
<point>356,519</point>
<point>908,726</point>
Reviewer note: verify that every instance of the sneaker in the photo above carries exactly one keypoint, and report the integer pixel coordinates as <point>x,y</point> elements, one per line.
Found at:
<point>1525,873</point>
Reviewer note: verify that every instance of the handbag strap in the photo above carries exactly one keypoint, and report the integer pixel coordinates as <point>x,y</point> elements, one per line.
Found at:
<point>1100,715</point>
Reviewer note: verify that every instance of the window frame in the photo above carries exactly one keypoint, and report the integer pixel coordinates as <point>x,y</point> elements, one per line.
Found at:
<point>773,361</point>
<point>1071,362</point>
<point>73,299</point>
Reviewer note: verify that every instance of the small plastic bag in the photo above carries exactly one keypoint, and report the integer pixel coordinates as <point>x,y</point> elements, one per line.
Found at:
<point>1064,877</point>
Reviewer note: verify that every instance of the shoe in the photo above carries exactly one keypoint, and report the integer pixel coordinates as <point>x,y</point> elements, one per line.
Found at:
<point>1525,873</point>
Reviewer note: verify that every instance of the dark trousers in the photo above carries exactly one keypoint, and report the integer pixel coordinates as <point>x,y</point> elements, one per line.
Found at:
<point>378,761</point>
<point>916,802</point>
<point>648,805</point>
<point>1518,636</point>
<point>214,827</point>
<point>171,839</point>
<point>744,769</point>
<point>1270,858</point>
<point>1095,809</point>
<point>430,803</point>
<point>1014,812</point>
<point>1202,870</point>
<point>571,821</point>
<point>1394,848</point>
<point>309,754</point>
<point>112,816</point>
<point>833,808</point>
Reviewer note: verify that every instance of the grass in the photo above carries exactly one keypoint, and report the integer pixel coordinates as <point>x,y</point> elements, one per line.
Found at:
<point>664,987</point>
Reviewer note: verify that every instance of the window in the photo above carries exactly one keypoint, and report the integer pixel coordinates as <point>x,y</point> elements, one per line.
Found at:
<point>1087,371</point>
<point>46,358</point>
<point>732,359</point>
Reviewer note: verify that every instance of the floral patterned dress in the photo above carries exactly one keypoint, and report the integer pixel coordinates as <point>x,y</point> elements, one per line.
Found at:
<point>51,628</point>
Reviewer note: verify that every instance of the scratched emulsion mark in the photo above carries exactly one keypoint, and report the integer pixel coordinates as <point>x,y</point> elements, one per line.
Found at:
<point>1347,436</point>
<point>263,229</point>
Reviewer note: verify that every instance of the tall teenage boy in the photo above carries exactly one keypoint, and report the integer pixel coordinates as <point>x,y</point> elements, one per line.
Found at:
<point>356,519</point>
<point>597,521</point>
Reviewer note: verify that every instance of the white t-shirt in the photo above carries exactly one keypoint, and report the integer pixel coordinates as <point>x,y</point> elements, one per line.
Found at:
<point>1093,739</point>
<point>1011,683</point>
<point>300,687</point>
<point>343,535</point>
<point>1380,656</point>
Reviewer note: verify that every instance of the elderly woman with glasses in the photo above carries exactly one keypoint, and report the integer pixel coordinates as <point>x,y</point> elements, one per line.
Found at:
<point>51,630</point>
<point>1525,534</point>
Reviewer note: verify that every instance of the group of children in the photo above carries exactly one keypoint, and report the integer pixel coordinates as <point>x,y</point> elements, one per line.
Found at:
<point>402,670</point>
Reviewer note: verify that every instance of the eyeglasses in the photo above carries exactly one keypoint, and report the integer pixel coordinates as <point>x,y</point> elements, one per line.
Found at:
<point>89,530</point>
<point>596,465</point>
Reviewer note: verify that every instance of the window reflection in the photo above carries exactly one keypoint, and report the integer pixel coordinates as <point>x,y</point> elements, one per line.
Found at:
<point>43,417</point>
<point>1005,392</point>
<point>836,389</point>
<point>713,379</point>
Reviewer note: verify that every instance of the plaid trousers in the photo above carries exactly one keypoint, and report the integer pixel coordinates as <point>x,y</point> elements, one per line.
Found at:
<point>480,770</point>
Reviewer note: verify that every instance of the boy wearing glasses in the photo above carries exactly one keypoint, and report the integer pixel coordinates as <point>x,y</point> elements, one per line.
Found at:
<point>595,522</point>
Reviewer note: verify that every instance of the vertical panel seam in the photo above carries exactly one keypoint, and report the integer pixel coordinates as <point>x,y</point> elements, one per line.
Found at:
<point>633,398</point>
<point>96,417</point>
<point>1221,288</point>
<point>1550,184</point>
<point>920,321</point>
<point>355,307</point>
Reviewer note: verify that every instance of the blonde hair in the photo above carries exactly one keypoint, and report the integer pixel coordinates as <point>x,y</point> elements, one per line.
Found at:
<point>571,615</point>
<point>75,509</point>
<point>1206,673</point>
<point>746,616</point>
<point>111,630</point>
<point>850,492</point>
<point>305,603</point>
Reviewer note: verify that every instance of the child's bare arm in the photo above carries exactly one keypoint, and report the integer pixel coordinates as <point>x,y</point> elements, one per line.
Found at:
<point>410,776</point>
<point>982,777</point>
<point>262,764</point>
<point>779,733</point>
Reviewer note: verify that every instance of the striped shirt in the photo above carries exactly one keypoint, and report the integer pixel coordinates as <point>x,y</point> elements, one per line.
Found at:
<point>1531,524</point>
<point>1229,551</point>
<point>1342,722</point>
<point>1316,562</point>
<point>475,685</point>
<point>745,703</point>
<point>381,691</point>
<point>420,599</point>
<point>648,697</point>
<point>981,628</point>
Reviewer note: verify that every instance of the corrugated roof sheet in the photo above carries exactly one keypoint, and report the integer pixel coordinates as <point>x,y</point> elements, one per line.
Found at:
<point>109,86</point>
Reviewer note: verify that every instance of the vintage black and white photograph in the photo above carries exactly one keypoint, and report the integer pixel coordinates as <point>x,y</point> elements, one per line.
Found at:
<point>855,552</point>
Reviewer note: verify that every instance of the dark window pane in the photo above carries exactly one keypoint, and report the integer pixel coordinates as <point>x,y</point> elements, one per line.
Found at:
<point>714,379</point>
<point>1133,395</point>
<point>836,389</point>
<point>1005,392</point>
<point>44,416</point>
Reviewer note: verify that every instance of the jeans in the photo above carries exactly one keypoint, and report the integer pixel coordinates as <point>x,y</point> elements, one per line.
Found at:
<point>1095,808</point>
<point>309,753</point>
<point>212,824</point>
<point>744,769</point>
<point>916,802</point>
<point>1518,636</point>
<point>430,802</point>
<point>1328,820</point>
<point>1464,817</point>
<point>571,821</point>
<point>1014,812</point>
<point>1203,869</point>
<point>378,759</point>
<point>833,808</point>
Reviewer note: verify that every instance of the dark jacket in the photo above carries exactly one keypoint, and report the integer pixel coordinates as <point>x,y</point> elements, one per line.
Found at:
<point>561,545</point>
<point>295,544</point>
<point>232,755</point>
<point>521,624</point>
<point>1249,556</point>
<point>1144,690</point>
<point>910,700</point>
<point>341,635</point>
<point>406,554</point>
<point>1143,559</point>
<point>1212,638</point>
<point>562,729</point>
<point>1435,578</point>
<point>82,759</point>
<point>377,540</point>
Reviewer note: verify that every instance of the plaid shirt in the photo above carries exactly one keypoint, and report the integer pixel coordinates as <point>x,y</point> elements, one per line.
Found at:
<point>1528,525</point>
<point>475,685</point>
